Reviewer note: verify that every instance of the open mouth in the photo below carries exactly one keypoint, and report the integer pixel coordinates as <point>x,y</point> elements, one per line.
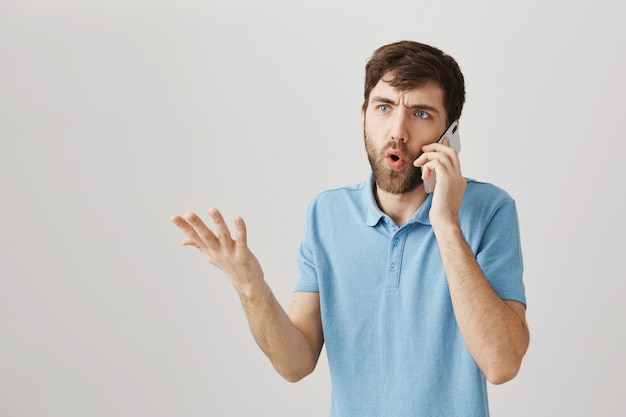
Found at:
<point>395,160</point>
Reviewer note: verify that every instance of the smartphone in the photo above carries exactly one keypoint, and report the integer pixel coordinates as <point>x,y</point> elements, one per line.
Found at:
<point>452,133</point>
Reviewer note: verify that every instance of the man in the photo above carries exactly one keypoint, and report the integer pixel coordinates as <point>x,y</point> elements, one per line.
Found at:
<point>418,297</point>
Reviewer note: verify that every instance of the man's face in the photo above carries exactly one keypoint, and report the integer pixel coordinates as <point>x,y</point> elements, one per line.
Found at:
<point>396,124</point>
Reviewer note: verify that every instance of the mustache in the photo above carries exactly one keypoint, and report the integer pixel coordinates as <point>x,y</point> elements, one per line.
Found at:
<point>402,149</point>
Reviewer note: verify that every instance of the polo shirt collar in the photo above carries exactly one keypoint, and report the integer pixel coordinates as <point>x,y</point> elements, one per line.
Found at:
<point>375,214</point>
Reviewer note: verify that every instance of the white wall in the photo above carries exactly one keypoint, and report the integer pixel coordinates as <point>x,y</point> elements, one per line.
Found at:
<point>114,115</point>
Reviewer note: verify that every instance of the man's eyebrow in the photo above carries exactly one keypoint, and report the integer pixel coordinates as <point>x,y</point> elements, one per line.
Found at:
<point>426,107</point>
<point>383,100</point>
<point>419,106</point>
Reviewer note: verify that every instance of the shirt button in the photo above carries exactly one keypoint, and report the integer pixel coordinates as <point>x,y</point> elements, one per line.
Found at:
<point>396,242</point>
<point>392,267</point>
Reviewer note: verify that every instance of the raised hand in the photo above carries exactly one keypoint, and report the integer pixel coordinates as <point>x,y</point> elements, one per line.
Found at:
<point>230,255</point>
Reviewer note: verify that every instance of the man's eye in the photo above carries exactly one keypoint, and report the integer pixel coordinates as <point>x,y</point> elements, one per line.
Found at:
<point>422,114</point>
<point>383,108</point>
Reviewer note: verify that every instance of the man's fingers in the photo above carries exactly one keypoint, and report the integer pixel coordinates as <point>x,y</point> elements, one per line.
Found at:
<point>183,224</point>
<point>200,236</point>
<point>445,157</point>
<point>241,232</point>
<point>187,241</point>
<point>221,230</point>
<point>200,232</point>
<point>443,148</point>
<point>426,171</point>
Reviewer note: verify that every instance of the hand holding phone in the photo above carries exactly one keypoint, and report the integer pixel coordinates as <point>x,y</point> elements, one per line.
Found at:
<point>452,133</point>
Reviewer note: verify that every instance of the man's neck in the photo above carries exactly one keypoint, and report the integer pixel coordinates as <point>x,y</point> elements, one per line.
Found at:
<point>400,207</point>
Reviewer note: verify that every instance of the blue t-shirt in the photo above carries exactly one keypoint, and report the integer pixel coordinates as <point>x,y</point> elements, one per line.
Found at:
<point>393,344</point>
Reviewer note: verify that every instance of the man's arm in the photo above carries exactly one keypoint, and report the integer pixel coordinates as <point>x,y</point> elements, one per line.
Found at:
<point>292,342</point>
<point>494,330</point>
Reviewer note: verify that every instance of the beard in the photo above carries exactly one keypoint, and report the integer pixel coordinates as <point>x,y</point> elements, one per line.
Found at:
<point>394,181</point>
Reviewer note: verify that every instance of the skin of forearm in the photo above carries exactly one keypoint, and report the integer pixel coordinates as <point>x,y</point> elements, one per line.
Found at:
<point>278,337</point>
<point>494,333</point>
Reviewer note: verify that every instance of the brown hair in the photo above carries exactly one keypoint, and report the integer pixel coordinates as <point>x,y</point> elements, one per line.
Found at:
<point>412,64</point>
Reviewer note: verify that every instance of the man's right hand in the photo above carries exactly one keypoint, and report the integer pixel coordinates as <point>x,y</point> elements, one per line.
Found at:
<point>292,342</point>
<point>231,256</point>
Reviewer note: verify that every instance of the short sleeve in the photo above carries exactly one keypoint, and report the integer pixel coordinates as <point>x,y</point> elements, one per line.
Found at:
<point>500,253</point>
<point>307,280</point>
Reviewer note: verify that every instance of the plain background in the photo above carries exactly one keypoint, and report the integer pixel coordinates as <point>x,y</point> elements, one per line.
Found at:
<point>117,114</point>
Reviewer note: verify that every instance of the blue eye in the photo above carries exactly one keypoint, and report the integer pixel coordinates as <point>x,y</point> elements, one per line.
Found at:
<point>422,114</point>
<point>383,108</point>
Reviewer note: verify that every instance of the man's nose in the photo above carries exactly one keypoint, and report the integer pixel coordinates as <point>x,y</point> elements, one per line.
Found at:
<point>399,130</point>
